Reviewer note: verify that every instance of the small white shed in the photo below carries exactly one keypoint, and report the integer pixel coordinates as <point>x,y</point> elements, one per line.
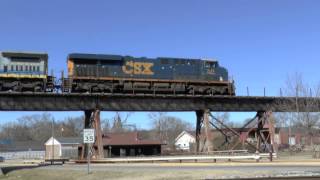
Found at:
<point>62,147</point>
<point>53,149</point>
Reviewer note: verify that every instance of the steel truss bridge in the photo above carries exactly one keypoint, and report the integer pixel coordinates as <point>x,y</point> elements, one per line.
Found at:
<point>92,104</point>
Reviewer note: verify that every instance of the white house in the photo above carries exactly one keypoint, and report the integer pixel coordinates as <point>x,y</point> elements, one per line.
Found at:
<point>183,141</point>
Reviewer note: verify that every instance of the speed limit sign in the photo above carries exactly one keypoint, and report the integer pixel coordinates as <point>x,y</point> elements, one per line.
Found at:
<point>88,135</point>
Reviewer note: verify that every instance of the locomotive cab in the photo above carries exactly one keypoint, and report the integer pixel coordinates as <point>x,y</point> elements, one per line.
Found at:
<point>210,66</point>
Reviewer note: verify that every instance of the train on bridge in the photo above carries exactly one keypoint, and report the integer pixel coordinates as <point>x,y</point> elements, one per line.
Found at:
<point>98,73</point>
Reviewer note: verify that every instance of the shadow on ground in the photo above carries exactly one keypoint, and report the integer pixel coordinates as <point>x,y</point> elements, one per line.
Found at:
<point>6,170</point>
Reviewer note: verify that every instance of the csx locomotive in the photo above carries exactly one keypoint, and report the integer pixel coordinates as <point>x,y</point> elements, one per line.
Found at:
<point>97,73</point>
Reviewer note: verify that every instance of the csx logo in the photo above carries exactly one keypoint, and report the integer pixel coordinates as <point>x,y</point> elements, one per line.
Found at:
<point>143,68</point>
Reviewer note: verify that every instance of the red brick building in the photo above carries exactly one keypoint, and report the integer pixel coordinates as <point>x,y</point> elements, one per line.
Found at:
<point>129,144</point>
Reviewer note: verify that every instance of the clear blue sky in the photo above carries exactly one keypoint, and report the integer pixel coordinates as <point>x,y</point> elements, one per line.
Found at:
<point>260,42</point>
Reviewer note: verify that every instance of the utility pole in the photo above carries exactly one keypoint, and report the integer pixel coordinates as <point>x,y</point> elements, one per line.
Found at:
<point>52,134</point>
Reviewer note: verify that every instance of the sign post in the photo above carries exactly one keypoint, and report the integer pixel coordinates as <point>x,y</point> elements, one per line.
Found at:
<point>88,138</point>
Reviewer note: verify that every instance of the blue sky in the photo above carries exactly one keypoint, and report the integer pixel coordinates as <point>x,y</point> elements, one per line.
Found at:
<point>259,42</point>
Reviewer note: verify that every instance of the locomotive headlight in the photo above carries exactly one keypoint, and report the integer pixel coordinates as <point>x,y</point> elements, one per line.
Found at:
<point>221,78</point>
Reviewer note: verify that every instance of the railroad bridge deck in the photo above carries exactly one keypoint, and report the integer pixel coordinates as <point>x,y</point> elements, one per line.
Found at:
<point>140,102</point>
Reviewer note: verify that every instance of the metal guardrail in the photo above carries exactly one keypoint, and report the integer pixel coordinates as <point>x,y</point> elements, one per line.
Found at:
<point>180,158</point>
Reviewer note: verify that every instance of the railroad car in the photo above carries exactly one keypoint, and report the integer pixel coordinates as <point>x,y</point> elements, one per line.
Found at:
<point>126,74</point>
<point>24,71</point>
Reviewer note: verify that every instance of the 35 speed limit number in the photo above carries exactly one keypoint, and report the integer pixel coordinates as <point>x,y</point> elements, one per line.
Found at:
<point>88,136</point>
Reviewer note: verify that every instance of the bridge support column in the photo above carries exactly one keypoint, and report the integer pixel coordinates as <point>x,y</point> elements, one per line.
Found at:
<point>264,134</point>
<point>203,119</point>
<point>209,138</point>
<point>92,120</point>
<point>198,129</point>
<point>261,117</point>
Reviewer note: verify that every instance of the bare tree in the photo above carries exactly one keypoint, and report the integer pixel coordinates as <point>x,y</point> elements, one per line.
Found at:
<point>167,128</point>
<point>303,118</point>
<point>120,122</point>
<point>223,117</point>
<point>38,127</point>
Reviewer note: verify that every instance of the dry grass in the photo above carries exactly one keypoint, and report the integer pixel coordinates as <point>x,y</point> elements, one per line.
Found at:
<point>34,174</point>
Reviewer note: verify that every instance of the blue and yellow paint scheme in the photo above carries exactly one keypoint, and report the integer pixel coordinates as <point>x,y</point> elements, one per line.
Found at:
<point>114,66</point>
<point>23,65</point>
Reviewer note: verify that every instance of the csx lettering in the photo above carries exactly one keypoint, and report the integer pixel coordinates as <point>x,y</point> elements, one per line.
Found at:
<point>142,68</point>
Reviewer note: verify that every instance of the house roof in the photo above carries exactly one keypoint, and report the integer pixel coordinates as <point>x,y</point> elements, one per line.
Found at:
<point>126,138</point>
<point>190,133</point>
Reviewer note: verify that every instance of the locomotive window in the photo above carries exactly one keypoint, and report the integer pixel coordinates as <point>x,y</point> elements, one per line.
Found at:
<point>164,61</point>
<point>210,64</point>
<point>180,61</point>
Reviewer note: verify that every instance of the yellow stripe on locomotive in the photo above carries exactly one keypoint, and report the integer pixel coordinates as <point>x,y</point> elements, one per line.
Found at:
<point>18,76</point>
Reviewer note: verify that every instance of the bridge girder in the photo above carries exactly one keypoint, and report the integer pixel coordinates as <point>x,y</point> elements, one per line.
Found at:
<point>112,102</point>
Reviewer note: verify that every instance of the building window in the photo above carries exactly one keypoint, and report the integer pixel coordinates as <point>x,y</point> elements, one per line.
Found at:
<point>38,69</point>
<point>11,67</point>
<point>17,68</point>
